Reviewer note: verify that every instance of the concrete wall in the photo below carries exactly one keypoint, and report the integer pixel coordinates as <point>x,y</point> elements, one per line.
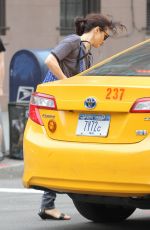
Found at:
<point>134,20</point>
<point>35,23</point>
<point>32,24</point>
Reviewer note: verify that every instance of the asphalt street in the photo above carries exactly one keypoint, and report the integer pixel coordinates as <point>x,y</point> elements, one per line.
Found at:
<point>19,207</point>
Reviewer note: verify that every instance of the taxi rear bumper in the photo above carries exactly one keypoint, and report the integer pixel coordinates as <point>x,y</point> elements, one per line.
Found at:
<point>84,168</point>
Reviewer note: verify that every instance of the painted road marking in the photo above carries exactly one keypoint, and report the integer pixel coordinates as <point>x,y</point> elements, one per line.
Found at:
<point>20,190</point>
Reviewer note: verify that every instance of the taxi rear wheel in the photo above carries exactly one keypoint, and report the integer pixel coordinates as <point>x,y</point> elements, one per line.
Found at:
<point>103,213</point>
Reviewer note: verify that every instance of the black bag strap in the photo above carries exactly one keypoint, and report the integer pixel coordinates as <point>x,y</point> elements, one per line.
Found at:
<point>85,55</point>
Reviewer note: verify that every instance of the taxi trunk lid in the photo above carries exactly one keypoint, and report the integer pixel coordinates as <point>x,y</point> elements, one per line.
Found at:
<point>110,121</point>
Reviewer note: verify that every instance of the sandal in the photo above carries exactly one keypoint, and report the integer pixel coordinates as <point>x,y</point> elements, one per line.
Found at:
<point>45,216</point>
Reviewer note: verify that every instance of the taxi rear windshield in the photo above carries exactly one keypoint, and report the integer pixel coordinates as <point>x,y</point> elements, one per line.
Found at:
<point>135,62</point>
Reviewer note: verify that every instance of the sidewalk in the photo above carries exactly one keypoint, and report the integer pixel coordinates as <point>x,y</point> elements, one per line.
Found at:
<point>10,163</point>
<point>11,170</point>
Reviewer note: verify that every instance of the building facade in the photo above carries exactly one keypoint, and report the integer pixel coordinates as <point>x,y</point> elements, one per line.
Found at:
<point>40,24</point>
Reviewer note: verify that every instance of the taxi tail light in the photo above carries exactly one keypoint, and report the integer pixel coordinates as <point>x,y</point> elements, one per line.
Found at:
<point>40,101</point>
<point>142,105</point>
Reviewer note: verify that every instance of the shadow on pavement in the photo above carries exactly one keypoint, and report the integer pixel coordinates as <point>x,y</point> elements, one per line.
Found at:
<point>138,224</point>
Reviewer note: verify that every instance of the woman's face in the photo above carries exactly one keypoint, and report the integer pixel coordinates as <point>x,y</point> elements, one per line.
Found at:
<point>99,36</point>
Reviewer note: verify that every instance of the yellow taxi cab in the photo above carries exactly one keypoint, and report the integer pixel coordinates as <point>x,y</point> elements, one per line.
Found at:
<point>89,136</point>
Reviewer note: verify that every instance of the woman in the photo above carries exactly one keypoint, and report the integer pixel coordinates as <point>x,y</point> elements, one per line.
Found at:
<point>68,58</point>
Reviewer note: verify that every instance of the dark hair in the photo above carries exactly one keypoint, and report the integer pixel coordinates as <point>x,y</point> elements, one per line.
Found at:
<point>84,25</point>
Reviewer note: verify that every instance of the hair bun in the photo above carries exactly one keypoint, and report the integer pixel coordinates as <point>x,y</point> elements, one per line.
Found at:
<point>80,25</point>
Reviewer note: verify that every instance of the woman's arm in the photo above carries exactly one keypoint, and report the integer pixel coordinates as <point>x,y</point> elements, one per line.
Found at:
<point>54,67</point>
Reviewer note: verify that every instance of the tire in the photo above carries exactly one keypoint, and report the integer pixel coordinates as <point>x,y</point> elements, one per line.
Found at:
<point>102,213</point>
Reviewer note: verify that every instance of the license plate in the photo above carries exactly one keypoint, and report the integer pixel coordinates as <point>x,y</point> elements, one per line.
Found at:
<point>93,125</point>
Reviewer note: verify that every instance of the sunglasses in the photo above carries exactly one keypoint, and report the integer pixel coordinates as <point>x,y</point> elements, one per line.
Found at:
<point>106,35</point>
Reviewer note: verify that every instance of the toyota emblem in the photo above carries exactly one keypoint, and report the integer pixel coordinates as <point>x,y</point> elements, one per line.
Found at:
<point>90,103</point>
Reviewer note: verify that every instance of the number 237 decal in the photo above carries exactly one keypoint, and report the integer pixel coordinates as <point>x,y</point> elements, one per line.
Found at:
<point>115,93</point>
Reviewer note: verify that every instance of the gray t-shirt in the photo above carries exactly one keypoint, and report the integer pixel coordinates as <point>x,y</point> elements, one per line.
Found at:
<point>68,53</point>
